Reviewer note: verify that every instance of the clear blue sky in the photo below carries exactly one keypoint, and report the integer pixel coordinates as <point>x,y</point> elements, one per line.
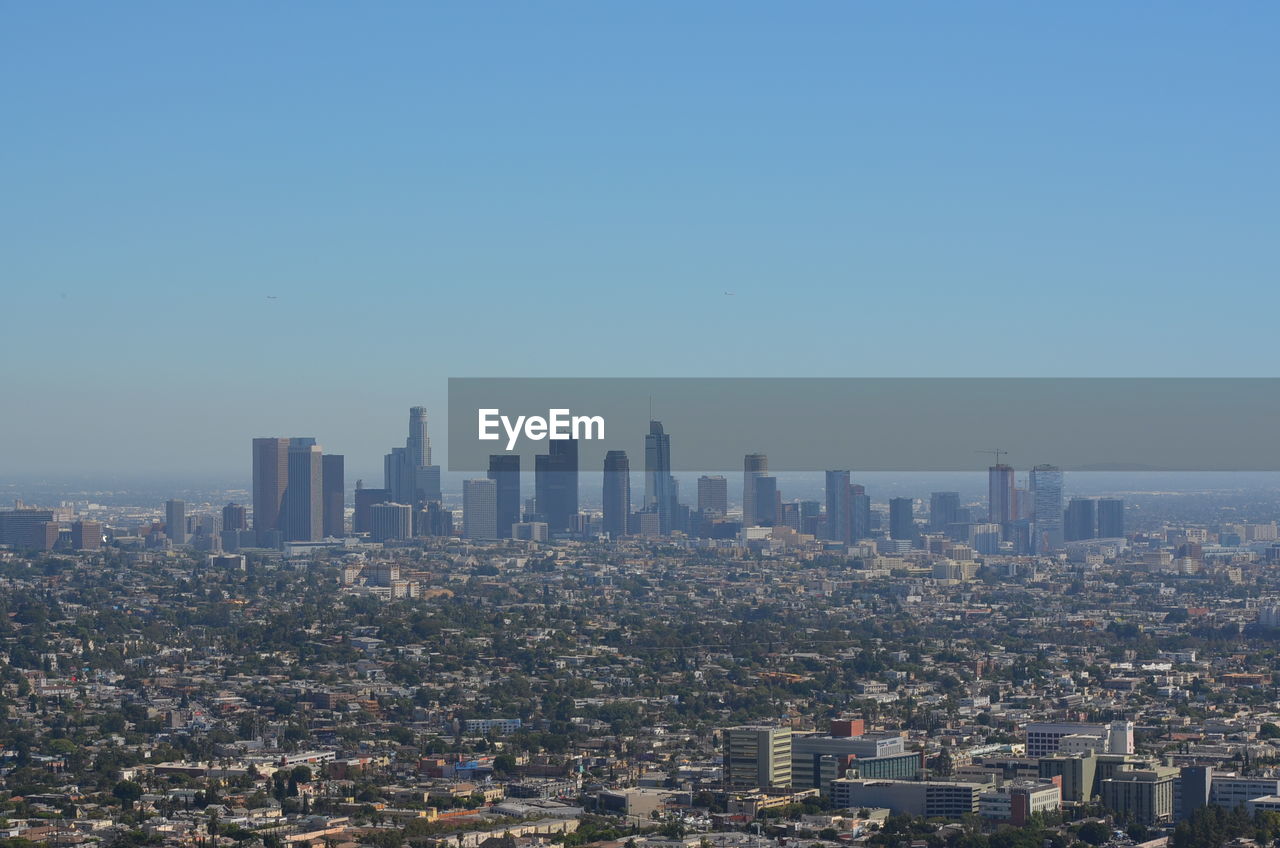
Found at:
<point>567,188</point>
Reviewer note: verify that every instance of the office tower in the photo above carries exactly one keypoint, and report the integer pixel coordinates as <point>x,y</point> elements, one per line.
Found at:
<point>333,494</point>
<point>361,518</point>
<point>1000,494</point>
<point>753,465</point>
<point>175,521</point>
<point>902,523</point>
<point>1110,518</point>
<point>555,478</point>
<point>504,471</point>
<point>22,525</point>
<point>235,517</point>
<point>757,757</point>
<point>1046,519</point>
<point>390,522</point>
<point>407,472</point>
<point>303,496</point>
<point>659,485</point>
<point>839,507</point>
<point>434,520</point>
<point>86,535</point>
<point>1080,522</point>
<point>943,509</point>
<point>480,509</point>
<point>766,500</point>
<point>860,508</point>
<point>270,478</point>
<point>713,495</point>
<point>616,493</point>
<point>418,445</point>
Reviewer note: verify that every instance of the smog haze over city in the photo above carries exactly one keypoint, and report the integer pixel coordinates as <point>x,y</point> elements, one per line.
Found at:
<point>621,425</point>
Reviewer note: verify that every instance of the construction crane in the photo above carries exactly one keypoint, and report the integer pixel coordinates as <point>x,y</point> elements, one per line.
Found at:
<point>996,452</point>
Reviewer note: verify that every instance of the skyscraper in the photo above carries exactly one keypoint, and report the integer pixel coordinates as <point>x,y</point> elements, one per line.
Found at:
<point>235,517</point>
<point>1046,521</point>
<point>1080,521</point>
<point>304,494</point>
<point>334,496</point>
<point>659,485</point>
<point>408,473</point>
<point>362,517</point>
<point>860,507</point>
<point>713,495</point>
<point>902,523</point>
<point>943,509</point>
<point>753,465</point>
<point>504,471</point>
<point>1000,494</point>
<point>390,522</point>
<point>839,507</point>
<point>766,500</point>
<point>1110,518</point>
<point>270,478</point>
<point>556,484</point>
<point>480,509</point>
<point>616,493</point>
<point>175,521</point>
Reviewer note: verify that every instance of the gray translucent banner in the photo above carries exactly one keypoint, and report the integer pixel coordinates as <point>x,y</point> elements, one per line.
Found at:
<point>926,424</point>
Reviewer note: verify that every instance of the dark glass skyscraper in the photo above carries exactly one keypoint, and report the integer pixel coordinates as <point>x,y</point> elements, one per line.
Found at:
<point>504,471</point>
<point>1081,522</point>
<point>860,506</point>
<point>556,484</point>
<point>902,523</point>
<point>1046,521</point>
<point>839,507</point>
<point>334,495</point>
<point>659,485</point>
<point>713,495</point>
<point>270,478</point>
<point>766,500</point>
<point>616,493</point>
<point>1000,494</point>
<point>1110,518</point>
<point>753,465</point>
<point>943,509</point>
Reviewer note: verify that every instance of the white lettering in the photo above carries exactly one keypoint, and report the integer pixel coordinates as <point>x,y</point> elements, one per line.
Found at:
<point>487,422</point>
<point>586,422</point>
<point>513,432</point>
<point>560,424</point>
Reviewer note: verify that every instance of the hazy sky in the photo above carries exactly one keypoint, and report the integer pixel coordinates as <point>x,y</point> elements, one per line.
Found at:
<point>568,188</point>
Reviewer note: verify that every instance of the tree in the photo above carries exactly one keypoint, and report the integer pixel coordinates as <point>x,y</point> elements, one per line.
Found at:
<point>1094,832</point>
<point>128,792</point>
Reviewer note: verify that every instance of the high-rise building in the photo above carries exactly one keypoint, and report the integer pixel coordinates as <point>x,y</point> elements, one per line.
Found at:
<point>556,484</point>
<point>943,509</point>
<point>1110,518</point>
<point>86,535</point>
<point>659,485</point>
<point>1046,519</point>
<point>504,471</point>
<point>390,522</point>
<point>757,757</point>
<point>766,500</point>
<point>480,509</point>
<point>1080,521</point>
<point>753,465</point>
<point>408,473</point>
<point>175,521</point>
<point>860,505</point>
<point>24,527</point>
<point>713,495</point>
<point>361,517</point>
<point>270,479</point>
<point>235,517</point>
<point>902,522</point>
<point>839,507</point>
<point>616,493</point>
<point>333,493</point>
<point>1000,494</point>
<point>304,494</point>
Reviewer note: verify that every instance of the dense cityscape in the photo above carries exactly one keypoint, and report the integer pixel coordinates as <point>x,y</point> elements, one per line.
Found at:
<point>339,666</point>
